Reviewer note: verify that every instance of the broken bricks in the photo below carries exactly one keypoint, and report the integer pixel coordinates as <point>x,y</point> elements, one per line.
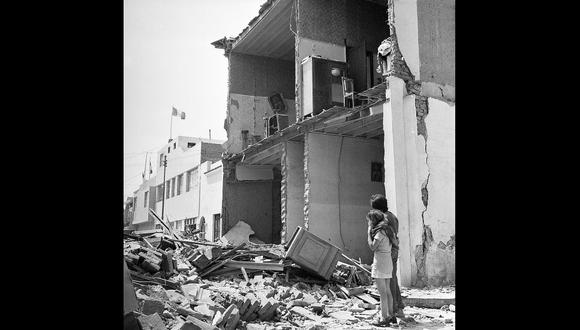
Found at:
<point>151,322</point>
<point>152,306</point>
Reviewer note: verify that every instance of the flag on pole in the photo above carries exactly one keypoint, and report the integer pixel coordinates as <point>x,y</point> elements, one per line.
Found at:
<point>178,113</point>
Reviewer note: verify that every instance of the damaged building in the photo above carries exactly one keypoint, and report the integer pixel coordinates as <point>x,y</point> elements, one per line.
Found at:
<point>331,101</point>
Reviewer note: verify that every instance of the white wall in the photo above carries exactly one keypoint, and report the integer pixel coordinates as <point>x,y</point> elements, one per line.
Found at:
<point>412,162</point>
<point>407,29</point>
<point>440,213</point>
<point>354,191</point>
<point>142,212</point>
<point>211,198</point>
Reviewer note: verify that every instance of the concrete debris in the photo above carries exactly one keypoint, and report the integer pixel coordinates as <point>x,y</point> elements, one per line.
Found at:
<point>151,322</point>
<point>238,234</point>
<point>248,286</point>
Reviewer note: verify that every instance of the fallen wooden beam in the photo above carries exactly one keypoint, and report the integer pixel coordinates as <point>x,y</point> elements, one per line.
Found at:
<point>233,271</point>
<point>147,232</point>
<point>193,242</point>
<point>352,291</point>
<point>367,298</point>
<point>255,265</point>
<point>211,269</point>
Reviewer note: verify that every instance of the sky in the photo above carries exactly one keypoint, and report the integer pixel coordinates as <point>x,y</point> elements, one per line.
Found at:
<point>169,61</point>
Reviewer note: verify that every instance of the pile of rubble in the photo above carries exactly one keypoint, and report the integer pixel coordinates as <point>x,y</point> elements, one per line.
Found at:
<point>184,284</point>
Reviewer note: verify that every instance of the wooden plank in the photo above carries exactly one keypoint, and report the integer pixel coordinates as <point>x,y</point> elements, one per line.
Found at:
<point>255,265</point>
<point>193,242</point>
<point>148,232</point>
<point>352,291</point>
<point>211,269</point>
<point>367,298</point>
<point>359,266</point>
<point>245,274</point>
<point>164,282</point>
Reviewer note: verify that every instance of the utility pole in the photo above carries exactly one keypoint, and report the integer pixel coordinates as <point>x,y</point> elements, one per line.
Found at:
<point>163,201</point>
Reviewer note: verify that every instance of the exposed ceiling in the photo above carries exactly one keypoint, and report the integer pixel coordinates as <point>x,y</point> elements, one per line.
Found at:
<point>270,36</point>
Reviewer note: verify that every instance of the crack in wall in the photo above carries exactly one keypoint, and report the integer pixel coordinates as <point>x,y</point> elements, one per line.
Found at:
<point>422,110</point>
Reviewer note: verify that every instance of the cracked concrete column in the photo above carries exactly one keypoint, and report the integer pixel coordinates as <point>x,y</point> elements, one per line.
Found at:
<point>400,128</point>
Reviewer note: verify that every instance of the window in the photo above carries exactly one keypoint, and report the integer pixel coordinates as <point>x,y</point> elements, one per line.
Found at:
<point>173,187</point>
<point>174,145</point>
<point>191,179</point>
<point>168,149</point>
<point>217,227</point>
<point>160,160</point>
<point>190,144</point>
<point>160,192</point>
<point>167,188</point>
<point>145,199</point>
<point>179,184</point>
<point>178,225</point>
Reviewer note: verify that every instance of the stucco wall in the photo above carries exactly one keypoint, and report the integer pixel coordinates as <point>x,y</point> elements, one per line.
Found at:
<point>294,187</point>
<point>261,76</point>
<point>348,193</point>
<point>439,184</point>
<point>436,28</point>
<point>211,197</point>
<point>141,214</point>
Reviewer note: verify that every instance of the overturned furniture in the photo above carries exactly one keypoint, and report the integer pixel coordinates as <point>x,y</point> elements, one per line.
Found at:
<point>313,253</point>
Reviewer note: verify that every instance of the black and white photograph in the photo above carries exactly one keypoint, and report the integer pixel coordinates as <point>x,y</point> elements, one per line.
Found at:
<point>288,164</point>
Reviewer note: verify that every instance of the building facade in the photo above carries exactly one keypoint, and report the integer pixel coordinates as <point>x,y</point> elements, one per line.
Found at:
<point>190,188</point>
<point>319,166</point>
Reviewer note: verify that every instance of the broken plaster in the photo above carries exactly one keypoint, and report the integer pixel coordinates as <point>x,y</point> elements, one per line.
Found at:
<point>422,110</point>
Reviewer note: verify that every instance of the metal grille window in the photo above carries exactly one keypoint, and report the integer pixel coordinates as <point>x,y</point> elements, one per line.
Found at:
<point>173,187</point>
<point>187,181</point>
<point>167,188</point>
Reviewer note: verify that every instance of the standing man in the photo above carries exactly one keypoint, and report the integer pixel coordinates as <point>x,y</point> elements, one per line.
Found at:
<point>379,202</point>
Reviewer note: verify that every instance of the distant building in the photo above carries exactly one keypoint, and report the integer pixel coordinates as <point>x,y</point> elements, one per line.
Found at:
<point>192,187</point>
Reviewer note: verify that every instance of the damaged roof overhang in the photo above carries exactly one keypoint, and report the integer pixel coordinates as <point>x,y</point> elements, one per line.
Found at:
<point>360,122</point>
<point>269,34</point>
